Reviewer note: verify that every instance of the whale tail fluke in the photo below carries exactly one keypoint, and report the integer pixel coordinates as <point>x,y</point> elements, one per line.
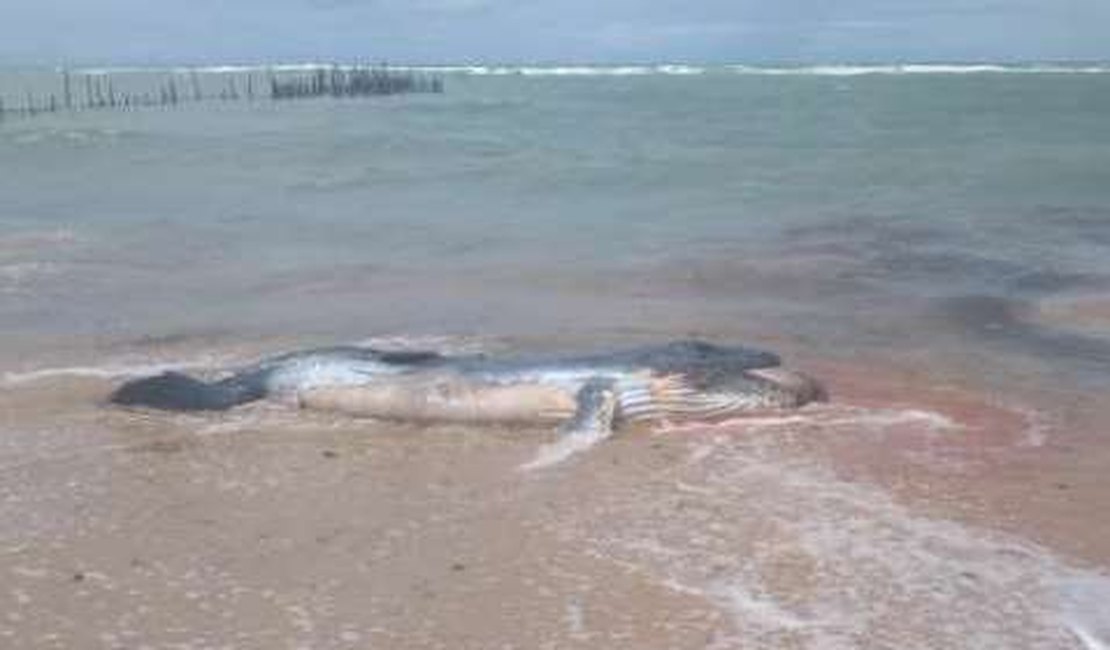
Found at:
<point>174,391</point>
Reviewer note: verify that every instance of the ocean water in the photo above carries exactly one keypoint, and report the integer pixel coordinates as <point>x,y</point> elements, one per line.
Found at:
<point>824,206</point>
<point>932,241</point>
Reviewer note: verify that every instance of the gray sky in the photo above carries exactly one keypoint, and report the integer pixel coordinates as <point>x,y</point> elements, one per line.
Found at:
<point>432,31</point>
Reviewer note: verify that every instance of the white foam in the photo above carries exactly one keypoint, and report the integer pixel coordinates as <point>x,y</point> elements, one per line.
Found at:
<point>680,69</point>
<point>1037,423</point>
<point>14,276</point>
<point>437,343</point>
<point>1090,642</point>
<point>1085,609</point>
<point>917,68</point>
<point>838,415</point>
<point>579,71</point>
<point>554,71</point>
<point>566,446</point>
<point>813,70</point>
<point>109,370</point>
<point>820,416</point>
<point>598,70</point>
<point>575,618</point>
<point>796,557</point>
<point>761,608</point>
<point>569,71</point>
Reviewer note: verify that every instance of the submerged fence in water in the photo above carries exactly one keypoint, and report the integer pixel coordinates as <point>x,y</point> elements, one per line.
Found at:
<point>66,90</point>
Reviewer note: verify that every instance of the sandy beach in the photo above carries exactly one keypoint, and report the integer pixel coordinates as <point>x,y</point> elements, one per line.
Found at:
<point>907,513</point>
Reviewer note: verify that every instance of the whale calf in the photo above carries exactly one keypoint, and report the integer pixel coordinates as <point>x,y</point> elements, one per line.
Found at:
<point>587,395</point>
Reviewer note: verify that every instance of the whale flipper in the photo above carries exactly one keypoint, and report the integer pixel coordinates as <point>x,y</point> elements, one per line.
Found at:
<point>597,402</point>
<point>596,409</point>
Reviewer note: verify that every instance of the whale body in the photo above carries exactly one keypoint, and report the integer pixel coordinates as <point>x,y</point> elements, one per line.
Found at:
<point>588,394</point>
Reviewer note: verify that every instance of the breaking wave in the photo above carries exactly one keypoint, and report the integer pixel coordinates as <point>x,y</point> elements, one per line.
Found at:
<point>919,68</point>
<point>109,370</point>
<point>669,69</point>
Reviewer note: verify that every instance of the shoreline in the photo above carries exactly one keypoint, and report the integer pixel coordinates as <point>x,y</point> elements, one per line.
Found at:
<point>692,524</point>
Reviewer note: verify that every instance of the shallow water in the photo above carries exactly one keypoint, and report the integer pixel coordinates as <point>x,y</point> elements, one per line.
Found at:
<point>933,245</point>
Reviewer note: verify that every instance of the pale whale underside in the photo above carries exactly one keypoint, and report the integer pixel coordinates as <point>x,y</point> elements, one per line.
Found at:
<point>587,393</point>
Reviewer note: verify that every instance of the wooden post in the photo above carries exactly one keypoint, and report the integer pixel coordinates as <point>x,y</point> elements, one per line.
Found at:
<point>67,91</point>
<point>338,83</point>
<point>195,80</point>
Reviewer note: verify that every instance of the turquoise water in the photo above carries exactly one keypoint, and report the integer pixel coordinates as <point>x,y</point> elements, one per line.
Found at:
<point>832,212</point>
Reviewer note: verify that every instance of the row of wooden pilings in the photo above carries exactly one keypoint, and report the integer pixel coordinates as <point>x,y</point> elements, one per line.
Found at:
<point>85,91</point>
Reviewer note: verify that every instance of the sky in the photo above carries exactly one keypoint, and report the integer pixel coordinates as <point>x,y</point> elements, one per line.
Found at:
<point>72,32</point>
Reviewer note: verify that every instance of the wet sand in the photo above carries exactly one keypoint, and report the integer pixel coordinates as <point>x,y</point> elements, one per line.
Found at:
<point>915,511</point>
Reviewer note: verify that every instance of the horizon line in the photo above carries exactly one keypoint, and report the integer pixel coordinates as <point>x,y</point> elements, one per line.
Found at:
<point>549,63</point>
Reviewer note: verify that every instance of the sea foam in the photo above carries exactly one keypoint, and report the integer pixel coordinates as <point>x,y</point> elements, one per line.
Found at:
<point>916,68</point>
<point>669,69</point>
<point>107,370</point>
<point>794,556</point>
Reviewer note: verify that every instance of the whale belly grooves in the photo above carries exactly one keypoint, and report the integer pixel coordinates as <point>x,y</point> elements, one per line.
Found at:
<point>447,399</point>
<point>452,397</point>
